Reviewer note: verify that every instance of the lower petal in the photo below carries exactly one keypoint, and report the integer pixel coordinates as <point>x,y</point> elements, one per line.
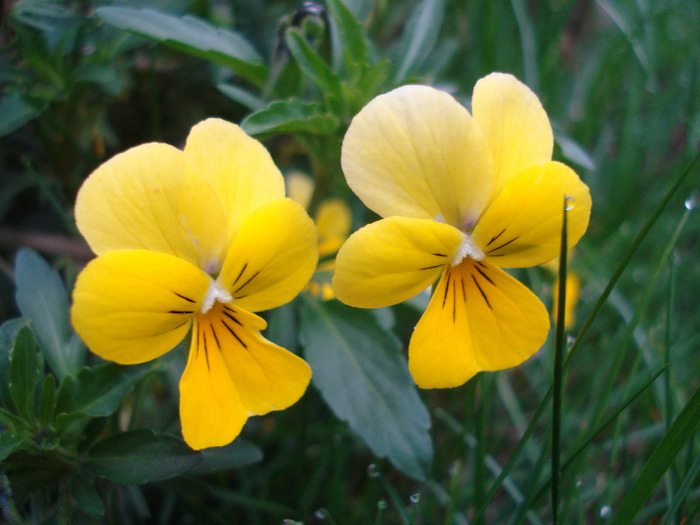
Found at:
<point>479,318</point>
<point>131,306</point>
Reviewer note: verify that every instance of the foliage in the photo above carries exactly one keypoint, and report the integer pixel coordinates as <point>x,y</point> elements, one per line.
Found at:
<point>84,441</point>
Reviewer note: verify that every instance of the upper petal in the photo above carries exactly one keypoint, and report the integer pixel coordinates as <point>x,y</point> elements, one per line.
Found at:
<point>272,257</point>
<point>523,225</point>
<point>479,318</point>
<point>514,123</point>
<point>416,152</point>
<point>238,166</point>
<point>131,306</point>
<point>152,197</point>
<point>392,260</point>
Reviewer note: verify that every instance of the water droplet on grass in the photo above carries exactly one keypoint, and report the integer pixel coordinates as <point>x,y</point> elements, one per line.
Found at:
<point>373,471</point>
<point>570,203</point>
<point>606,511</point>
<point>691,202</point>
<point>321,514</point>
<point>415,497</point>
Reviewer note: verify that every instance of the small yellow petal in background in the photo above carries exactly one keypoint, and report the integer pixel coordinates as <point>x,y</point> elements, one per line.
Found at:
<point>272,258</point>
<point>333,221</point>
<point>514,123</point>
<point>300,188</point>
<point>573,288</point>
<point>416,152</point>
<point>238,166</point>
<point>266,376</point>
<point>211,410</point>
<point>522,227</point>
<point>479,318</point>
<point>392,260</point>
<point>131,306</point>
<point>153,197</point>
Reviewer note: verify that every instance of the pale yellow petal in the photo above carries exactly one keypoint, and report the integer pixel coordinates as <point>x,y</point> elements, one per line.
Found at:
<point>416,152</point>
<point>272,258</point>
<point>300,188</point>
<point>152,197</point>
<point>131,306</point>
<point>523,225</point>
<point>479,318</point>
<point>238,166</point>
<point>211,410</point>
<point>333,221</point>
<point>392,260</point>
<point>514,123</point>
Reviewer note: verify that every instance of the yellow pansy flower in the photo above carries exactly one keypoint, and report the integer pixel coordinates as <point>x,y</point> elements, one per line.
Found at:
<point>463,197</point>
<point>333,221</point>
<point>196,239</point>
<point>573,291</point>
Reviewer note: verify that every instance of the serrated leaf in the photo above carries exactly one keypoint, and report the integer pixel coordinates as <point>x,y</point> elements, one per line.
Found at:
<point>421,34</point>
<point>8,334</point>
<point>290,116</point>
<point>24,373</point>
<point>365,381</point>
<point>349,43</point>
<point>9,442</point>
<point>312,64</point>
<point>234,455</point>
<point>191,35</point>
<point>101,389</point>
<point>140,456</point>
<point>42,297</point>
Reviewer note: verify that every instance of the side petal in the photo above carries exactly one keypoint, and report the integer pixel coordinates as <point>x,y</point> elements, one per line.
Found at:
<point>239,167</point>
<point>333,221</point>
<point>272,257</point>
<point>514,123</point>
<point>522,227</point>
<point>211,411</point>
<point>392,260</point>
<point>131,306</point>
<point>266,376</point>
<point>152,197</point>
<point>416,152</point>
<point>479,318</point>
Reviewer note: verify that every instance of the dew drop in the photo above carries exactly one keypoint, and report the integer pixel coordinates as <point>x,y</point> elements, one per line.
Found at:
<point>415,497</point>
<point>691,202</point>
<point>288,521</point>
<point>373,471</point>
<point>570,340</point>
<point>321,514</point>
<point>570,203</point>
<point>605,511</point>
<point>579,483</point>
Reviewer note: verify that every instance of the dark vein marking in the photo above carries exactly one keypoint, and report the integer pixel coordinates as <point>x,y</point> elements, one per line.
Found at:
<point>215,337</point>
<point>496,237</point>
<point>482,292</point>
<point>183,323</point>
<point>234,334</point>
<point>439,254</point>
<point>454,301</point>
<point>503,245</point>
<point>431,267</point>
<point>481,264</point>
<point>227,314</point>
<point>245,265</point>
<point>180,312</point>
<point>246,283</point>
<point>447,289</point>
<point>483,274</point>
<point>206,352</point>
<point>185,298</point>
<point>464,290</point>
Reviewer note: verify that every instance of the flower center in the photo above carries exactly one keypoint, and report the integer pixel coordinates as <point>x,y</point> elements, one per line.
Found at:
<point>468,248</point>
<point>215,293</point>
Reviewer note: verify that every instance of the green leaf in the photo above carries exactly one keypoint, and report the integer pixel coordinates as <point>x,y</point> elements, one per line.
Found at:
<point>681,430</point>
<point>47,404</point>
<point>16,112</point>
<point>101,389</point>
<point>290,116</point>
<point>140,456</point>
<point>421,35</point>
<point>365,381</point>
<point>242,96</point>
<point>234,455</point>
<point>349,43</point>
<point>191,35</point>
<point>24,373</point>
<point>42,297</point>
<point>9,442</point>
<point>86,496</point>
<point>312,64</point>
<point>8,334</point>
<point>574,152</point>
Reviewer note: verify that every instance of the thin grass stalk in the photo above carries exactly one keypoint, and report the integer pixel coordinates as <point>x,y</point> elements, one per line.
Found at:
<point>586,325</point>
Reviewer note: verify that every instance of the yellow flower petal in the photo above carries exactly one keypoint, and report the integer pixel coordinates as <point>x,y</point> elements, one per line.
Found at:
<point>272,258</point>
<point>211,410</point>
<point>131,306</point>
<point>333,221</point>
<point>479,318</point>
<point>239,167</point>
<point>514,123</point>
<point>152,197</point>
<point>266,376</point>
<point>573,287</point>
<point>416,152</point>
<point>523,225</point>
<point>392,260</point>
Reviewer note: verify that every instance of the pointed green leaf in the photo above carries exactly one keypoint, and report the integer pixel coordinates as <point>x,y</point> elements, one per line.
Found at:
<point>365,381</point>
<point>349,43</point>
<point>86,496</point>
<point>242,96</point>
<point>24,373</point>
<point>16,112</point>
<point>42,297</point>
<point>47,403</point>
<point>290,116</point>
<point>191,35</point>
<point>234,455</point>
<point>312,64</point>
<point>421,35</point>
<point>8,334</point>
<point>140,456</point>
<point>9,442</point>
